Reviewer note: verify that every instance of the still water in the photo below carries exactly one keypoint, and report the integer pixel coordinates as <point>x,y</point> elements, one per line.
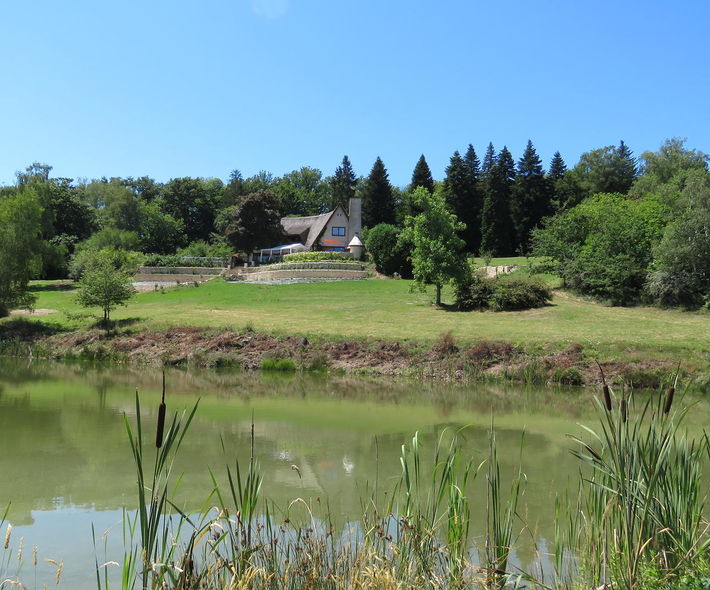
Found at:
<point>66,466</point>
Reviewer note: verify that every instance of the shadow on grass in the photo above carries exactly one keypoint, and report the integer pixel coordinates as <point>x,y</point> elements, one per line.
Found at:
<point>63,286</point>
<point>24,329</point>
<point>113,326</point>
<point>452,307</point>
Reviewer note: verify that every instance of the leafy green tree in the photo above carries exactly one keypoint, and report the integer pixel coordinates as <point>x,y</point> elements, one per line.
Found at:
<point>604,245</point>
<point>194,202</point>
<point>160,232</point>
<point>342,184</point>
<point>681,266</point>
<point>606,170</point>
<point>437,252</point>
<point>144,187</point>
<point>234,189</point>
<point>104,286</point>
<point>378,203</point>
<point>666,172</point>
<point>256,223</point>
<point>421,176</point>
<point>530,198</point>
<point>20,247</point>
<point>496,223</point>
<point>566,193</point>
<point>389,253</point>
<point>302,192</point>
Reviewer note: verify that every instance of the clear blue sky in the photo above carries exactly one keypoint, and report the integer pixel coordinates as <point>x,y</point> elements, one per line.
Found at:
<point>198,88</point>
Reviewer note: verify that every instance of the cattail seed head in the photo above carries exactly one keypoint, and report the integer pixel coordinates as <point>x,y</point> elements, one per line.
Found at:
<point>161,419</point>
<point>623,409</point>
<point>607,398</point>
<point>161,426</point>
<point>669,400</point>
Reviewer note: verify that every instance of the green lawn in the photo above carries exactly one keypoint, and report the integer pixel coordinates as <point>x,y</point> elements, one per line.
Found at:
<point>387,309</point>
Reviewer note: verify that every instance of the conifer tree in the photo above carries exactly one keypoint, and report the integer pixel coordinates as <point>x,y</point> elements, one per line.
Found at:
<point>557,167</point>
<point>342,184</point>
<point>495,217</point>
<point>565,192</point>
<point>422,176</point>
<point>473,227</point>
<point>377,197</point>
<point>488,160</point>
<point>463,197</point>
<point>530,198</point>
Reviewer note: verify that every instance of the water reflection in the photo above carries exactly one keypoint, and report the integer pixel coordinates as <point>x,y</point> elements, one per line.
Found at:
<point>325,439</point>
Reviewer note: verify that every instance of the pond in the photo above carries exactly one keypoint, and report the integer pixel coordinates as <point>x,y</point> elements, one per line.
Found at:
<point>66,465</point>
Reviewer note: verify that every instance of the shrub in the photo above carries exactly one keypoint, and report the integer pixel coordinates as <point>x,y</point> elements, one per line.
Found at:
<point>445,345</point>
<point>517,293</point>
<point>319,257</point>
<point>388,253</point>
<point>122,260</point>
<point>471,292</point>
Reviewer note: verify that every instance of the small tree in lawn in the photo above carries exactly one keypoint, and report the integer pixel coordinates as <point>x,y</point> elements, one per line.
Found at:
<point>437,251</point>
<point>104,286</point>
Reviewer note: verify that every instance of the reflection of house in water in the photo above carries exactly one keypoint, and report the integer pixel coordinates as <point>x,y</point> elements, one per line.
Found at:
<point>334,231</point>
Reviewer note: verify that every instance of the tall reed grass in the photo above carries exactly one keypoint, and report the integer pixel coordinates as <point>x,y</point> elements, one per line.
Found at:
<point>639,507</point>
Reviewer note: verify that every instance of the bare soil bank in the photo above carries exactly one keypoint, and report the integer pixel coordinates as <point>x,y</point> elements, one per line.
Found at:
<point>250,350</point>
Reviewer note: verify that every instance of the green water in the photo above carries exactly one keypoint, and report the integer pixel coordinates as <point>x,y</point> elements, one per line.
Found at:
<point>65,463</point>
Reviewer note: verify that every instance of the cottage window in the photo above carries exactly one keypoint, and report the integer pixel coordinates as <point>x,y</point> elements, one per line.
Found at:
<point>338,231</point>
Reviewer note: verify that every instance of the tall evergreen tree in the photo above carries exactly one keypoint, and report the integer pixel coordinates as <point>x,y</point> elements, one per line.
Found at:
<point>557,167</point>
<point>462,198</point>
<point>564,188</point>
<point>473,168</point>
<point>495,217</point>
<point>627,168</point>
<point>377,197</point>
<point>530,198</point>
<point>422,176</point>
<point>488,159</point>
<point>342,184</point>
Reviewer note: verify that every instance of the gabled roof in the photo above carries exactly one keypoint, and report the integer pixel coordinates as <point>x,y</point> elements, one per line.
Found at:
<point>309,228</point>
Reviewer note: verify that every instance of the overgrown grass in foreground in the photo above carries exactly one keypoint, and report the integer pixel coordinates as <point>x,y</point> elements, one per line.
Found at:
<point>637,521</point>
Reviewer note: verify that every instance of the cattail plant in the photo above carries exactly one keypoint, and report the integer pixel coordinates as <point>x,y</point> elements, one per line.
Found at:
<point>161,419</point>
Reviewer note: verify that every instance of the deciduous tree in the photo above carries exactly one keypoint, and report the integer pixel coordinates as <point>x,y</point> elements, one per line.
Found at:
<point>437,252</point>
<point>256,223</point>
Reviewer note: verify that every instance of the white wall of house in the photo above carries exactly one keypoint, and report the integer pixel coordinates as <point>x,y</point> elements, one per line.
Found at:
<point>335,234</point>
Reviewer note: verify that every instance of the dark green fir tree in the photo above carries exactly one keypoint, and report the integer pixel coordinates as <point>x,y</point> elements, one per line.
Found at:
<point>495,218</point>
<point>488,160</point>
<point>530,200</point>
<point>422,176</point>
<point>342,184</point>
<point>378,204</point>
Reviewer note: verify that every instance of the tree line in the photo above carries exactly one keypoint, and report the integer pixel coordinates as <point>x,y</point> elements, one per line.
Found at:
<point>503,207</point>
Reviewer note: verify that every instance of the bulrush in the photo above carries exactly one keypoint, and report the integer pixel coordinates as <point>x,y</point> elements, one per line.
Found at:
<point>8,533</point>
<point>671,393</point>
<point>161,419</point>
<point>605,389</point>
<point>623,408</point>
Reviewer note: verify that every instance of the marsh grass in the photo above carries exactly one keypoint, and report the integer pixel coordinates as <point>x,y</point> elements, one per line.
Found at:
<point>637,516</point>
<point>642,493</point>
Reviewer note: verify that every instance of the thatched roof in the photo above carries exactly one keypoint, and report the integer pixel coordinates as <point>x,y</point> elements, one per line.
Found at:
<point>306,229</point>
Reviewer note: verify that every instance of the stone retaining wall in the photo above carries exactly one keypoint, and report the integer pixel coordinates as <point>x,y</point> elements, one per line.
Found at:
<point>349,266</point>
<point>306,274</point>
<point>178,270</point>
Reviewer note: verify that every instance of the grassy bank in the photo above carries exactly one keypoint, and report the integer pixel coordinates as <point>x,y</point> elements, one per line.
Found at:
<point>386,310</point>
